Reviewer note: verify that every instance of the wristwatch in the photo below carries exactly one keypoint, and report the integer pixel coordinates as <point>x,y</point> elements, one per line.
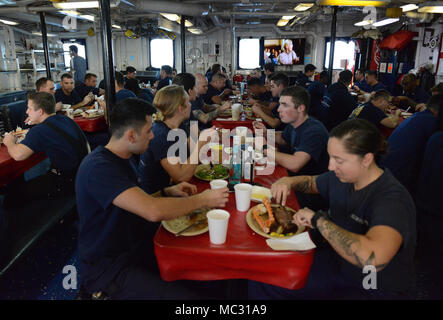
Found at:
<point>319,214</point>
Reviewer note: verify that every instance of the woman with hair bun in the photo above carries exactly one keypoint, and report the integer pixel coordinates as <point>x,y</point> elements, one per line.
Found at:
<point>370,222</point>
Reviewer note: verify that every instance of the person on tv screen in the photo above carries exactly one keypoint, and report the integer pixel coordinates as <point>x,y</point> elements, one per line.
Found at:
<point>288,56</point>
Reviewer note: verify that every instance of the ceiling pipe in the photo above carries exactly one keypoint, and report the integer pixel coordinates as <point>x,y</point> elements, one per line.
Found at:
<point>244,13</point>
<point>34,18</point>
<point>171,7</point>
<point>216,21</point>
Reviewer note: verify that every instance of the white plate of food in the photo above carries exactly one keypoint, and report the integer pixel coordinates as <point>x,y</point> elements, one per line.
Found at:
<point>278,225</point>
<point>176,225</point>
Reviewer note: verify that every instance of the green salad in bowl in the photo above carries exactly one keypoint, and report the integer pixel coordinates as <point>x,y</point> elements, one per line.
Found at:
<point>207,172</point>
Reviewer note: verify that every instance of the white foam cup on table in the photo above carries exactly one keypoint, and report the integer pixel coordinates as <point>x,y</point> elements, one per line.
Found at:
<point>218,225</point>
<point>218,184</point>
<point>236,109</point>
<point>243,196</point>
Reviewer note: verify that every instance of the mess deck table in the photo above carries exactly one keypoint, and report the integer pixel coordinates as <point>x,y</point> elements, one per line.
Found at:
<point>244,255</point>
<point>91,124</point>
<point>11,169</point>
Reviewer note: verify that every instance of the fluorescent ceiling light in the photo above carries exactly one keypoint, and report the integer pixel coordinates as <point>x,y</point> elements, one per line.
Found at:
<point>409,7</point>
<point>116,26</point>
<point>71,13</point>
<point>188,24</point>
<point>363,23</point>
<point>76,5</point>
<point>385,22</point>
<point>171,16</point>
<point>8,22</point>
<point>303,6</point>
<point>40,34</point>
<point>195,30</point>
<point>87,17</point>
<point>287,17</point>
<point>353,3</point>
<point>431,7</point>
<point>282,23</point>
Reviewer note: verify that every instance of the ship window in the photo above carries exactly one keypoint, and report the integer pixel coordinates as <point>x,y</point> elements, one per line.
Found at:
<point>162,52</point>
<point>249,53</point>
<point>344,55</point>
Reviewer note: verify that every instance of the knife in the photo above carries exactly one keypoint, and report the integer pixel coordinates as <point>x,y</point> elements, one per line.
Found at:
<point>190,226</point>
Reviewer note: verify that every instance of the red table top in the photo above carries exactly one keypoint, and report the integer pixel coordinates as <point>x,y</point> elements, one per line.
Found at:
<point>230,124</point>
<point>91,125</point>
<point>11,169</point>
<point>245,255</point>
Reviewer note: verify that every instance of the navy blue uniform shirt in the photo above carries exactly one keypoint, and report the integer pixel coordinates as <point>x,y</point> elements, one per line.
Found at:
<point>368,112</point>
<point>42,138</point>
<point>207,97</point>
<point>124,94</point>
<point>302,80</point>
<point>407,145</point>
<point>316,90</point>
<point>310,137</point>
<point>72,99</point>
<point>152,176</point>
<point>164,83</point>
<point>83,90</point>
<point>384,202</point>
<point>110,238</point>
<point>337,105</point>
<point>363,85</point>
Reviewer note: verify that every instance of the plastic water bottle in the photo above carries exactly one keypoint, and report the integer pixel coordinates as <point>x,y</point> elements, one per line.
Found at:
<point>236,160</point>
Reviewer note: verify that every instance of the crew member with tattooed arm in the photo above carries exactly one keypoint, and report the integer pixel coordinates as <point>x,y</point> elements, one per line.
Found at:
<point>371,221</point>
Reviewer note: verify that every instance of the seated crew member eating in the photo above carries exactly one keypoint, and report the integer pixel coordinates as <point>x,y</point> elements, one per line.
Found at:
<point>199,110</point>
<point>259,92</point>
<point>371,222</point>
<point>270,116</point>
<point>60,138</point>
<point>372,82</point>
<point>304,137</point>
<point>412,95</point>
<point>317,90</point>
<point>47,85</point>
<point>67,95</point>
<point>90,85</point>
<point>115,246</point>
<point>375,110</point>
<point>120,92</point>
<point>157,167</point>
<point>215,93</point>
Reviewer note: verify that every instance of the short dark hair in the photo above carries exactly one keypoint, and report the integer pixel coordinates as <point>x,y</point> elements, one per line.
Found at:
<point>130,69</point>
<point>323,74</point>
<point>361,70</point>
<point>258,69</point>
<point>345,76</point>
<point>280,78</point>
<point>218,76</point>
<point>168,69</point>
<point>254,82</point>
<point>372,73</point>
<point>186,80</point>
<point>73,48</point>
<point>270,66</point>
<point>129,113</point>
<point>382,93</point>
<point>41,82</point>
<point>44,101</point>
<point>435,102</point>
<point>119,79</point>
<point>89,76</point>
<point>360,137</point>
<point>215,68</point>
<point>310,67</point>
<point>299,96</point>
<point>66,75</point>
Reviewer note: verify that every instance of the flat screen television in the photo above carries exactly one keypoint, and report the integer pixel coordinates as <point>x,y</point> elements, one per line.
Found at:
<point>284,52</point>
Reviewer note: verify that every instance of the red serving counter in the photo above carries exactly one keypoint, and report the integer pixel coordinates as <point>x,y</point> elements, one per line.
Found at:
<point>244,255</point>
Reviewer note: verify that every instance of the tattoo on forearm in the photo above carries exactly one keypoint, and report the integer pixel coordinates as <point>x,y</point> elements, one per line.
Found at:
<point>348,242</point>
<point>303,186</point>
